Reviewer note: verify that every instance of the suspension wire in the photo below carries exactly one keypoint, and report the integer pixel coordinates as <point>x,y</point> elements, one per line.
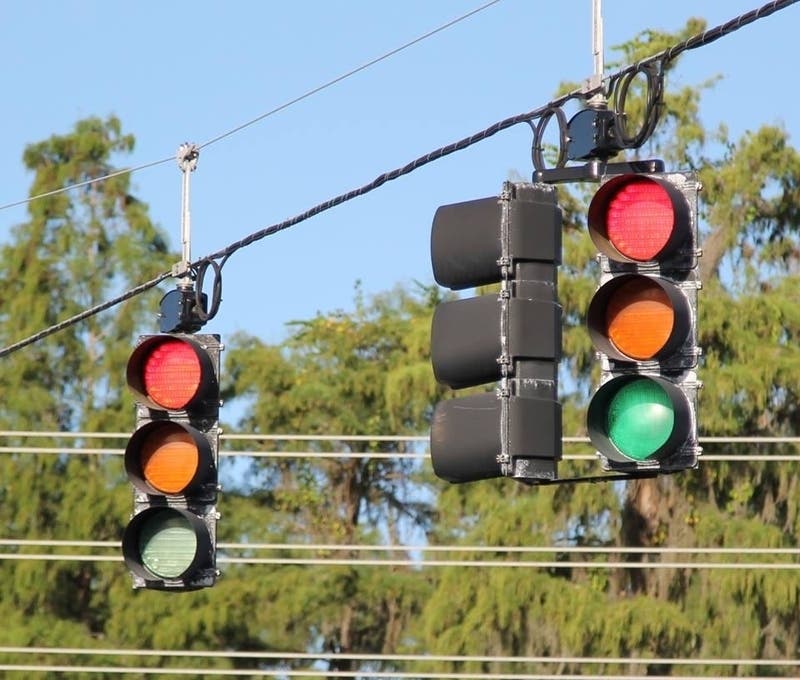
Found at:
<point>71,321</point>
<point>86,183</point>
<point>283,106</point>
<point>664,56</point>
<point>350,73</point>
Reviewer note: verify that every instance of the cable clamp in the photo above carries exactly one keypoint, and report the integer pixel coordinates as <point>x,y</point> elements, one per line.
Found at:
<point>187,156</point>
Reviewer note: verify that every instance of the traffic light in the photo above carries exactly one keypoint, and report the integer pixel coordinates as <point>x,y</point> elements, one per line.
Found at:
<point>511,339</point>
<point>172,461</point>
<point>643,322</point>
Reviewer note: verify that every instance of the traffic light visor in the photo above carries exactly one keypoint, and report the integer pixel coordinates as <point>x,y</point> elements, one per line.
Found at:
<point>637,218</point>
<point>170,373</point>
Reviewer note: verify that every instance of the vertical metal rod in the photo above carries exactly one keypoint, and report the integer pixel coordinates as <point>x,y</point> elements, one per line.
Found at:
<point>598,100</point>
<point>597,38</point>
<point>187,161</point>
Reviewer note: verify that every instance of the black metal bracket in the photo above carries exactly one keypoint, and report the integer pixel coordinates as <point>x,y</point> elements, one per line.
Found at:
<point>594,170</point>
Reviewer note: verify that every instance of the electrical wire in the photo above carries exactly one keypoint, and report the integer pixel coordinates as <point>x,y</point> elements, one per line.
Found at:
<point>365,547</point>
<point>664,56</point>
<point>402,658</point>
<point>258,119</point>
<point>316,673</point>
<point>350,73</point>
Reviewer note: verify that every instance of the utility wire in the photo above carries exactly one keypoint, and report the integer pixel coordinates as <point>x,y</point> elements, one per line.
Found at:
<point>402,658</point>
<point>363,547</point>
<point>664,56</point>
<point>269,113</point>
<point>427,563</point>
<point>350,73</point>
<point>316,673</point>
<point>85,183</point>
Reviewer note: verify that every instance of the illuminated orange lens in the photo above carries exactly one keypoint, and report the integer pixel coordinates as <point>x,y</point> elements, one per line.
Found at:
<point>169,459</point>
<point>172,374</point>
<point>639,318</point>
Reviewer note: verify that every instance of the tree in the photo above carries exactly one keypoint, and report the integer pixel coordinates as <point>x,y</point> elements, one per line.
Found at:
<point>357,374</point>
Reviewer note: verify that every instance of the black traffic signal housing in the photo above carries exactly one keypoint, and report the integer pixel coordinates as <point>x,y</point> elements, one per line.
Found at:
<point>643,322</point>
<point>511,339</point>
<point>172,461</point>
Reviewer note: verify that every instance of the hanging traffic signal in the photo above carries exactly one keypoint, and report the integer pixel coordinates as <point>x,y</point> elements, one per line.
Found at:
<point>511,339</point>
<point>643,321</point>
<point>172,461</point>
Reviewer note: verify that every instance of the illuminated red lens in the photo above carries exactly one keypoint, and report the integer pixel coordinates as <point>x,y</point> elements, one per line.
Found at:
<point>640,219</point>
<point>172,374</point>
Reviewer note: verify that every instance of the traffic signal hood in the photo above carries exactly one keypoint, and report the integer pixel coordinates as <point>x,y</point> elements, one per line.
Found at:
<point>172,461</point>
<point>643,321</point>
<point>513,336</point>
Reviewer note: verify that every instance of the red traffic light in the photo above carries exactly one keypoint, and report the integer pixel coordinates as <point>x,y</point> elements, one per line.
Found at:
<point>166,457</point>
<point>639,318</point>
<point>171,373</point>
<point>638,218</point>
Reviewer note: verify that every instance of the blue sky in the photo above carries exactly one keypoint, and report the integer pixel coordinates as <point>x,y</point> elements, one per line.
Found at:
<point>189,71</point>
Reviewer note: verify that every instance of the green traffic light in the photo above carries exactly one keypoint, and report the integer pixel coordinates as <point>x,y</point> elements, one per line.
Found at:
<point>167,544</point>
<point>640,418</point>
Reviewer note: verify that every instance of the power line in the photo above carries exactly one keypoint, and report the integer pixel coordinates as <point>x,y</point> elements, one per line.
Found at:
<point>263,116</point>
<point>402,658</point>
<point>664,56</point>
<point>399,675</point>
<point>350,73</point>
<point>424,563</point>
<point>362,547</point>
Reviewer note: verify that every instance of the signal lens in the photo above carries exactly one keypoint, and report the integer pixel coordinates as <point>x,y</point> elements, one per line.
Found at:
<point>172,374</point>
<point>167,544</point>
<point>640,318</point>
<point>640,219</point>
<point>169,458</point>
<point>640,418</point>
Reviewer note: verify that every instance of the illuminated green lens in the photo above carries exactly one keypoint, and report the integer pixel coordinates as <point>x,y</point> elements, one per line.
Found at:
<point>167,544</point>
<point>640,418</point>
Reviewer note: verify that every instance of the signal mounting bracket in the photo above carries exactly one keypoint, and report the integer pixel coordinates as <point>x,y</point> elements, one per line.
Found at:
<point>594,170</point>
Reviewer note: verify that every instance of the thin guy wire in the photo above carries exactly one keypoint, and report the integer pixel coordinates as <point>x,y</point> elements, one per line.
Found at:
<point>316,673</point>
<point>418,563</point>
<point>286,105</point>
<point>447,658</point>
<point>95,180</point>
<point>350,73</point>
<point>671,53</point>
<point>240,436</point>
<point>571,550</point>
<point>373,455</point>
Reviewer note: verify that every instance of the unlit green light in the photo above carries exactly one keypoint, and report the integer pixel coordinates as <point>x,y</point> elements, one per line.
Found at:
<point>167,544</point>
<point>640,418</point>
